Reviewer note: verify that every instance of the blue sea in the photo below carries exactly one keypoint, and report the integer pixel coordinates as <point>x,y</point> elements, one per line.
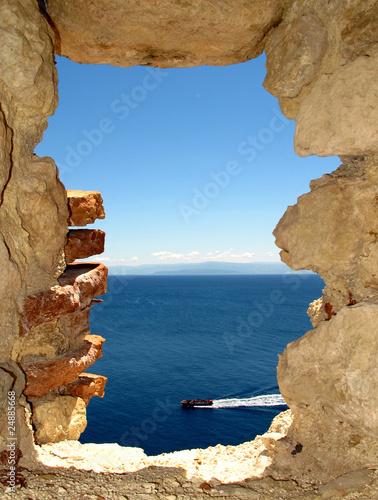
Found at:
<point>170,338</point>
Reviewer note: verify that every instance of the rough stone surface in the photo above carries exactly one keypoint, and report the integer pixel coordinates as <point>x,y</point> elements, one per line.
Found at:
<point>85,387</point>
<point>226,463</point>
<point>44,375</point>
<point>156,483</point>
<point>360,34</point>
<point>349,482</point>
<point>342,109</point>
<point>33,206</point>
<point>333,231</point>
<point>56,418</point>
<point>78,285</point>
<point>29,186</point>
<point>351,31</point>
<point>83,243</point>
<point>32,202</point>
<point>11,379</point>
<point>332,90</point>
<point>316,311</point>
<point>328,378</point>
<point>163,33</point>
<point>55,337</point>
<point>100,457</point>
<point>84,207</point>
<point>294,51</point>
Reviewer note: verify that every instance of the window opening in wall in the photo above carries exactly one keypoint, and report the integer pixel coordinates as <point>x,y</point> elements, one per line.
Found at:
<point>195,166</point>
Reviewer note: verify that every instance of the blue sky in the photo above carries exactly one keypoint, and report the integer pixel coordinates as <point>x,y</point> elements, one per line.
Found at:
<point>193,164</point>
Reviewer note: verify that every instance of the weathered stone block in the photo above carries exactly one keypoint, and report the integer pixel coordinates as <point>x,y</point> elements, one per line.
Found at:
<point>332,231</point>
<point>79,284</point>
<point>84,207</point>
<point>56,418</point>
<point>328,378</point>
<point>339,115</point>
<point>83,243</point>
<point>360,35</point>
<point>167,34</point>
<point>44,375</point>
<point>85,387</point>
<point>55,337</point>
<point>294,52</point>
<point>350,482</point>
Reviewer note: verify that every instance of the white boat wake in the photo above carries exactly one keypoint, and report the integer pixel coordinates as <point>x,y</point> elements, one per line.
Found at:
<point>265,400</point>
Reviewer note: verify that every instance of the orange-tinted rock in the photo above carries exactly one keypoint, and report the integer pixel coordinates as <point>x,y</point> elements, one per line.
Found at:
<point>44,375</point>
<point>79,284</point>
<point>83,243</point>
<point>84,207</point>
<point>75,325</point>
<point>85,387</point>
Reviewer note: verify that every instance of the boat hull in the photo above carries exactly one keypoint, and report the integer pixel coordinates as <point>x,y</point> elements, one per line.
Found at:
<point>196,403</point>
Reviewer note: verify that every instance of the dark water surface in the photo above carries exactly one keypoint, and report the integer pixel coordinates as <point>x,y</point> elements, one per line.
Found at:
<point>170,338</point>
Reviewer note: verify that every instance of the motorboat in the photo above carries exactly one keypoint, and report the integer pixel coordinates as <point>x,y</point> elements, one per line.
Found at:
<point>194,403</point>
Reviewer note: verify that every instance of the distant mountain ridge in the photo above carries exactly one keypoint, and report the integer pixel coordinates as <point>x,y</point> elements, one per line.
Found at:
<point>203,268</point>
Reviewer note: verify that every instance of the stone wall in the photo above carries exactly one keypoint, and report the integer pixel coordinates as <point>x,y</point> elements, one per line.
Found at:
<point>322,64</point>
<point>44,303</point>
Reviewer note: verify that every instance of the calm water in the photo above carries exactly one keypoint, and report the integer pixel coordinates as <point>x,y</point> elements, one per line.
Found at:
<point>170,338</point>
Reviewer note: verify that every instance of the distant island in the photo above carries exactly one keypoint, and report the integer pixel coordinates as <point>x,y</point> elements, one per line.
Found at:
<point>203,268</point>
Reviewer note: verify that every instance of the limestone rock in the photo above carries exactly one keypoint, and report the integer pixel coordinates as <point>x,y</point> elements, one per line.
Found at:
<point>79,284</point>
<point>315,311</point>
<point>33,207</point>
<point>10,286</point>
<point>28,75</point>
<point>11,379</point>
<point>162,34</point>
<point>33,211</point>
<point>55,337</point>
<point>28,95</point>
<point>85,387</point>
<point>83,243</point>
<point>294,51</point>
<point>57,418</point>
<point>75,325</point>
<point>332,231</point>
<point>84,207</point>
<point>350,482</point>
<point>341,108</point>
<point>41,205</point>
<point>97,457</point>
<point>328,378</point>
<point>44,375</point>
<point>360,35</point>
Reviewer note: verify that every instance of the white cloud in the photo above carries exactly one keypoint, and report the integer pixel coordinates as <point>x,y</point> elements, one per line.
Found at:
<point>195,256</point>
<point>245,255</point>
<point>111,261</point>
<point>218,254</point>
<point>166,255</point>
